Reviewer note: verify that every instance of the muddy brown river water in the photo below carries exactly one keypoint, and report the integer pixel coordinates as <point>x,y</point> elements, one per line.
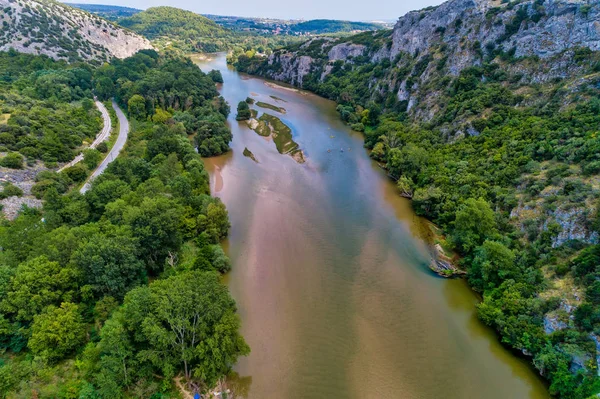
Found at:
<point>330,273</point>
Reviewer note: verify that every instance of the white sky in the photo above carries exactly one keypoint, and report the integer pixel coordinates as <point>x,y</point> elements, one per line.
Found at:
<point>364,10</point>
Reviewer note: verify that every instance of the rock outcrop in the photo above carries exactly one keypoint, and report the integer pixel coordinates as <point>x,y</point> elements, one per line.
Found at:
<point>62,32</point>
<point>449,38</point>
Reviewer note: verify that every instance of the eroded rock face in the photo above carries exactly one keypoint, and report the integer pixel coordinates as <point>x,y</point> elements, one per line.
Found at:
<point>561,25</point>
<point>23,179</point>
<point>465,29</point>
<point>63,32</point>
<point>293,69</point>
<point>574,226</point>
<point>345,51</point>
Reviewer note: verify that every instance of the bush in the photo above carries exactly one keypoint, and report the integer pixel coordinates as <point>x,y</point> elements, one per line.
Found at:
<point>216,76</point>
<point>77,173</point>
<point>102,147</point>
<point>359,127</point>
<point>10,190</point>
<point>243,111</point>
<point>14,160</point>
<point>91,158</point>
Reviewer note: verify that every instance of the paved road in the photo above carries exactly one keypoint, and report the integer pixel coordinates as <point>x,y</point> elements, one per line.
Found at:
<point>102,136</point>
<point>115,150</point>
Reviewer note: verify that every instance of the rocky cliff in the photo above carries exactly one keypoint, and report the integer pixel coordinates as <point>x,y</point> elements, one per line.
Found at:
<point>62,32</point>
<point>442,41</point>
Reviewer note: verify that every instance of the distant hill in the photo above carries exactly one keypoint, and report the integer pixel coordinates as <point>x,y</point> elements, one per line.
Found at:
<point>320,26</point>
<point>62,32</point>
<point>173,24</point>
<point>112,13</point>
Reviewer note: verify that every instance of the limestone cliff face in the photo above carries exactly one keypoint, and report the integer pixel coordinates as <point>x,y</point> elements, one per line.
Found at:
<point>62,32</point>
<point>455,35</point>
<point>541,28</point>
<point>293,68</point>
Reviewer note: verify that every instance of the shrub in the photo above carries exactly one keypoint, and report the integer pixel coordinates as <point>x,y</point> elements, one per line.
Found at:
<point>243,111</point>
<point>102,147</point>
<point>13,160</point>
<point>10,190</point>
<point>77,173</point>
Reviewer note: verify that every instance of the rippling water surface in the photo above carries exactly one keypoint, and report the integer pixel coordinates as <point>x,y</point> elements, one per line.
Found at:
<point>330,274</point>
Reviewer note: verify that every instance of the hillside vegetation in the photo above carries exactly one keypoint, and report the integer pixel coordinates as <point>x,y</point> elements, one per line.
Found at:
<point>487,116</point>
<point>112,13</point>
<point>48,107</point>
<point>320,26</point>
<point>188,31</point>
<point>104,295</point>
<point>61,32</point>
<point>169,88</point>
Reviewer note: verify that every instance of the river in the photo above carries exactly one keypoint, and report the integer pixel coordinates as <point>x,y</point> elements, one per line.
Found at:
<point>331,277</point>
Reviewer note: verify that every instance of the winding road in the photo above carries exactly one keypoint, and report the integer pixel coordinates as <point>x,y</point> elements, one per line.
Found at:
<point>103,136</point>
<point>115,150</point>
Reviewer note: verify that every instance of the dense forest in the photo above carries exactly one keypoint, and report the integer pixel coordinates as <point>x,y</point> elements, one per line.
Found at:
<point>508,190</point>
<point>111,13</point>
<point>163,87</point>
<point>170,27</point>
<point>47,108</point>
<point>115,292</point>
<point>321,26</point>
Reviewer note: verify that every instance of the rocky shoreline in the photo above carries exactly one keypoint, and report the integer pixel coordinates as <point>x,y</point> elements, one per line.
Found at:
<point>443,265</point>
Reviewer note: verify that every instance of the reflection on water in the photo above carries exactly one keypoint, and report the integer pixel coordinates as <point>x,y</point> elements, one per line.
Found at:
<point>331,279</point>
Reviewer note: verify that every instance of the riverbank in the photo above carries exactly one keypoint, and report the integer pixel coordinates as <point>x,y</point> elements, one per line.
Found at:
<point>331,277</point>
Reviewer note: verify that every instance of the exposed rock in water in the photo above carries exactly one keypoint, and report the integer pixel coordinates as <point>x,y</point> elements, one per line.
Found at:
<point>442,264</point>
<point>249,154</point>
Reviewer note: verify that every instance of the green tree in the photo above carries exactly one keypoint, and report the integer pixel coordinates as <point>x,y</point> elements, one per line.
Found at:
<point>10,190</point>
<point>243,111</point>
<point>57,332</point>
<point>214,219</point>
<point>406,186</point>
<point>474,223</point>
<point>493,263</point>
<point>103,192</point>
<point>91,158</point>
<point>110,264</point>
<point>161,116</point>
<point>111,363</point>
<point>216,76</point>
<point>137,107</point>
<point>13,160</point>
<point>104,88</point>
<point>189,323</point>
<point>156,224</point>
<point>37,284</point>
<point>77,173</point>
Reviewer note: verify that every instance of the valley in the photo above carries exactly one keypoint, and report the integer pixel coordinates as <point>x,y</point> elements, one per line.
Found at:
<point>261,207</point>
